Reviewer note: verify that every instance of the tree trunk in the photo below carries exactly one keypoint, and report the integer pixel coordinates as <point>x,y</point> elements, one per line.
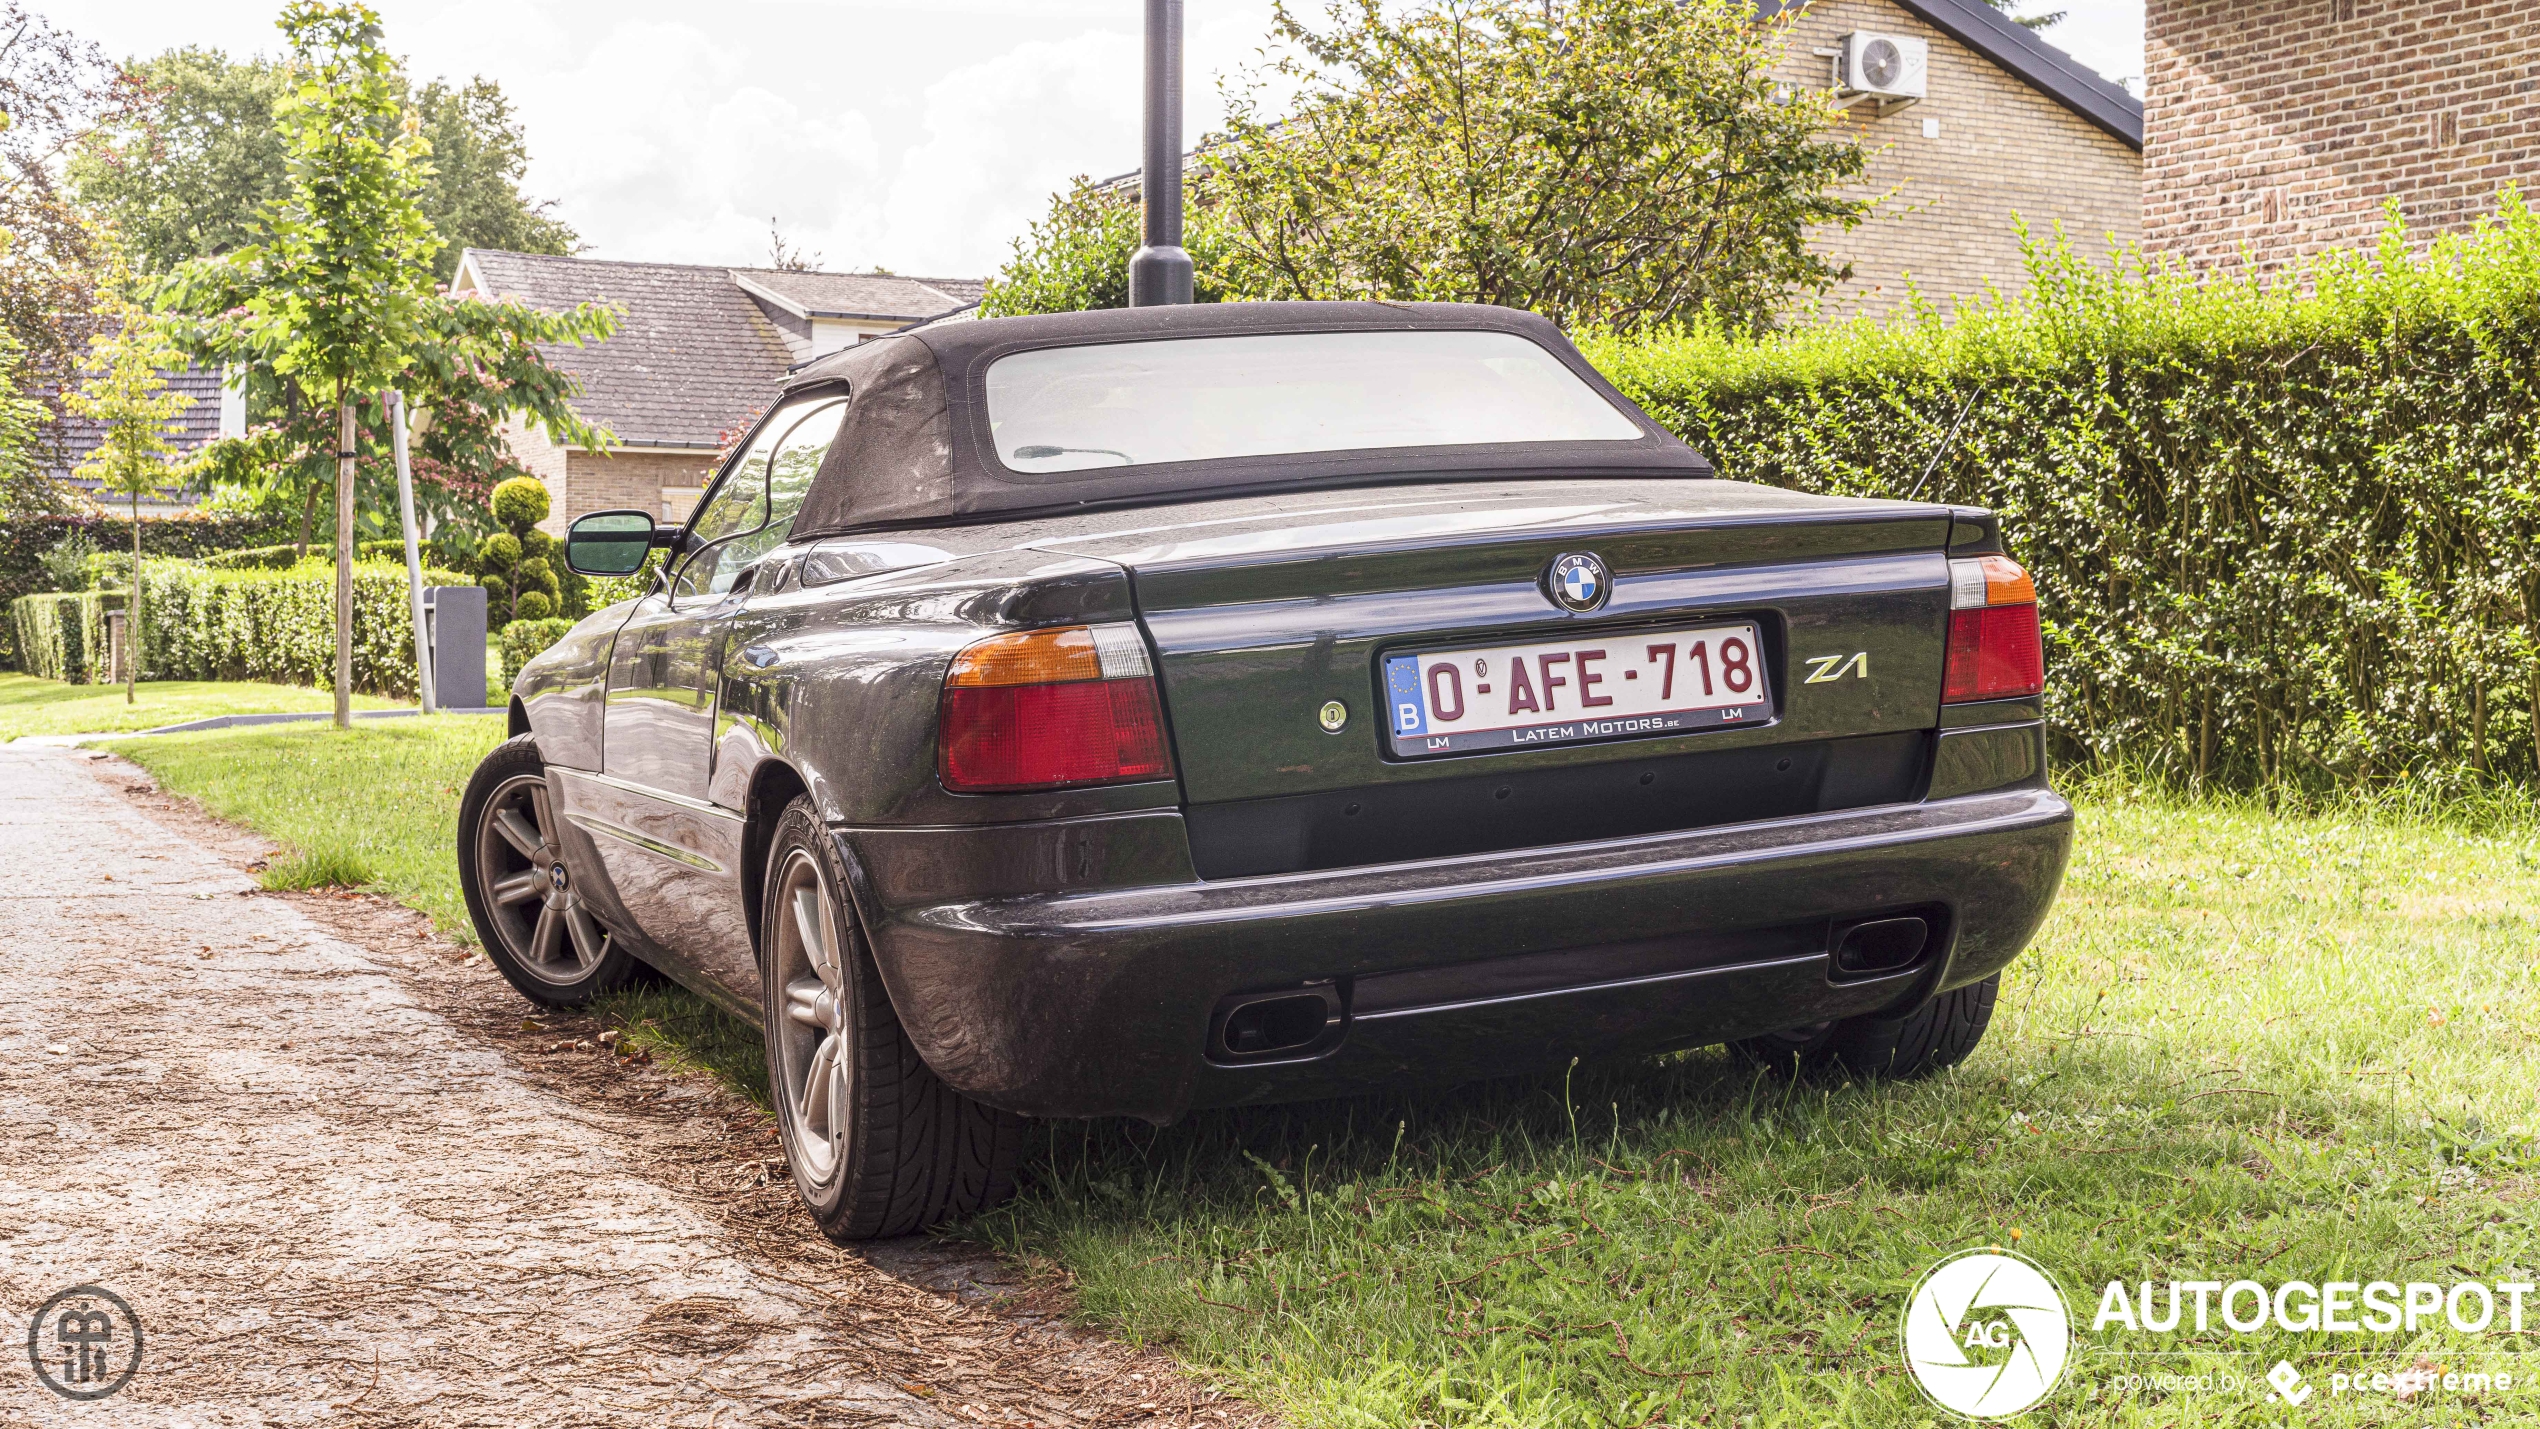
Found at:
<point>132,657</point>
<point>308,520</point>
<point>343,561</point>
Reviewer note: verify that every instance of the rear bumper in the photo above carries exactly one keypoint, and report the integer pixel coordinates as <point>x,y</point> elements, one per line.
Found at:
<point>1098,1002</point>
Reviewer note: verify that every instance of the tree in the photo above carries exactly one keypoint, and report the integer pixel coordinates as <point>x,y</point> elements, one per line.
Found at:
<point>1076,258</point>
<point>189,173</point>
<point>473,199</point>
<point>54,92</point>
<point>25,490</point>
<point>336,287</point>
<point>475,365</point>
<point>1617,162</point>
<point>126,395</point>
<point>2034,22</point>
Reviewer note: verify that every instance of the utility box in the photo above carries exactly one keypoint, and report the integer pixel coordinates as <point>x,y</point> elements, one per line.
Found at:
<point>454,629</point>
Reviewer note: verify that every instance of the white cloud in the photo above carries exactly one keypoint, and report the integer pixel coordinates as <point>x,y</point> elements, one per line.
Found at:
<point>660,142</point>
<point>1003,134</point>
<point>922,134</point>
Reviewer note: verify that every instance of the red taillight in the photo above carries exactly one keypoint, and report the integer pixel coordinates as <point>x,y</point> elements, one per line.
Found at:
<point>1995,651</point>
<point>1047,709</point>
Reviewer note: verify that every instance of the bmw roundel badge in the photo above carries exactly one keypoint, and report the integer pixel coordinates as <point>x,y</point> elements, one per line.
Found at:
<point>1578,582</point>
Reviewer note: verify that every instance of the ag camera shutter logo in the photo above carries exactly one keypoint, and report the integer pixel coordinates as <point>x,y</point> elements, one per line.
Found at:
<point>1986,1334</point>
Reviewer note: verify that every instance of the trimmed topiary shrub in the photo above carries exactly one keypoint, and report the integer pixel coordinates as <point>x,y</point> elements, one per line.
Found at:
<point>518,565</point>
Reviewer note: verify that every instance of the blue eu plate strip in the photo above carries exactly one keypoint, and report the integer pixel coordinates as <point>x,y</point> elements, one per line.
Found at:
<point>1402,687</point>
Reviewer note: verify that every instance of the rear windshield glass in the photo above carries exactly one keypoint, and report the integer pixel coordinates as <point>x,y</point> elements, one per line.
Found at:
<point>1064,409</point>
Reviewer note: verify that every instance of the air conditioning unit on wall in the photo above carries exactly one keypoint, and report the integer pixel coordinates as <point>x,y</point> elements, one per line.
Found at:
<point>1893,70</point>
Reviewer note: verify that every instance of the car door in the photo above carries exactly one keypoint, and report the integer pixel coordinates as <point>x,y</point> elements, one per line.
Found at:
<point>672,853</point>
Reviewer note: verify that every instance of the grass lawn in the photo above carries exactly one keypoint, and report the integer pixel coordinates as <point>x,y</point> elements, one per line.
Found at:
<point>2247,1045</point>
<point>29,705</point>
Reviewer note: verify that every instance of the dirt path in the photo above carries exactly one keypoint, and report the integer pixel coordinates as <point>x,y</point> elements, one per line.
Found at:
<point>341,1180</point>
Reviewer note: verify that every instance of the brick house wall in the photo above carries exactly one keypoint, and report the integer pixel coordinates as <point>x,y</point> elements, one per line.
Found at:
<point>1947,203</point>
<point>2284,125</point>
<point>580,482</point>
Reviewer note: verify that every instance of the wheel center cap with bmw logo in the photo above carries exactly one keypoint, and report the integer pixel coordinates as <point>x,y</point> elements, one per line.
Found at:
<point>1578,582</point>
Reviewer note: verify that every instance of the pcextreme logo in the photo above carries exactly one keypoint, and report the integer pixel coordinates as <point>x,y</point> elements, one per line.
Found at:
<point>1987,1334</point>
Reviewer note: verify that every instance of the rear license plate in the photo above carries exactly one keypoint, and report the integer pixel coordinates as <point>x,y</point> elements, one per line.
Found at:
<point>1610,687</point>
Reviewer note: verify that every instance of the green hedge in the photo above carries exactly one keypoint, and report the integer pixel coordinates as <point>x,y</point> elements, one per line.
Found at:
<point>62,635</point>
<point>2282,534</point>
<point>522,640</point>
<point>279,626</point>
<point>23,544</point>
<point>273,626</point>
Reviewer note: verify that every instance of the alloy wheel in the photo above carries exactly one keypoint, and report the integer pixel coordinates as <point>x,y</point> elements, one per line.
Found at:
<point>812,1041</point>
<point>529,892</point>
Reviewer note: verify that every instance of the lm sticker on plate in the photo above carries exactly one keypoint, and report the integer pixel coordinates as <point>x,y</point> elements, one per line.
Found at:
<point>1641,682</point>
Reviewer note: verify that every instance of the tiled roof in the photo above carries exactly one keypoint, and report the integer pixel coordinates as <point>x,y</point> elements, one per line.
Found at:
<point>2016,48</point>
<point>189,431</point>
<point>886,296</point>
<point>692,356</point>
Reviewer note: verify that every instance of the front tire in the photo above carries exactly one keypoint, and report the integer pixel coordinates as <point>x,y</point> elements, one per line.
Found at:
<point>520,895</point>
<point>1940,1034</point>
<point>878,1145</point>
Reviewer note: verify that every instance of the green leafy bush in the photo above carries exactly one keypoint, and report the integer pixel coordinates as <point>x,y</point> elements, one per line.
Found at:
<point>200,624</point>
<point>62,635</point>
<point>2282,534</point>
<point>523,639</point>
<point>254,558</point>
<point>520,502</point>
<point>521,567</point>
<point>65,566</point>
<point>27,542</point>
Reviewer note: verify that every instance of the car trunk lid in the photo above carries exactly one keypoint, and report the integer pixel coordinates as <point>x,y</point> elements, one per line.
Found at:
<point>1267,614</point>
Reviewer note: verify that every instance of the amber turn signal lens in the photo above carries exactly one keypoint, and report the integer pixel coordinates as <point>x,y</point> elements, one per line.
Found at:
<point>1979,581</point>
<point>1028,657</point>
<point>2005,583</point>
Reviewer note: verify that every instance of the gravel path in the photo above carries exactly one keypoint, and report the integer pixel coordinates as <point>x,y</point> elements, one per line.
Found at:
<point>341,1179</point>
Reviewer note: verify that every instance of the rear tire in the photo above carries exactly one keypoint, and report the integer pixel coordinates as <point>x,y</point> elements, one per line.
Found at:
<point>520,896</point>
<point>878,1145</point>
<point>1939,1034</point>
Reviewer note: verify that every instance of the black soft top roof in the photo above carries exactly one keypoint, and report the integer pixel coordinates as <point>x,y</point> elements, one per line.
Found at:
<point>916,450</point>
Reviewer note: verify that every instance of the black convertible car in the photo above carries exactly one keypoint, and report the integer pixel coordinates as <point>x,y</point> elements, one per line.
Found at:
<point>1120,713</point>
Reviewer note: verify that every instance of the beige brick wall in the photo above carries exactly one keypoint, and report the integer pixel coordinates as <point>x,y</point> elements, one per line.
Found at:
<point>631,480</point>
<point>581,482</point>
<point>1946,206</point>
<point>2284,125</point>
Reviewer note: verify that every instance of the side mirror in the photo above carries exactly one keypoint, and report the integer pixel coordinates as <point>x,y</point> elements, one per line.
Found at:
<point>611,543</point>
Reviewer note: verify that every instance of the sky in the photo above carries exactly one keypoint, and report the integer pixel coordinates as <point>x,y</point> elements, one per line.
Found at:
<point>919,137</point>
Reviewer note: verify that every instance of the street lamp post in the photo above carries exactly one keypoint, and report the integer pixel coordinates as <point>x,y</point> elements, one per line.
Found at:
<point>1160,271</point>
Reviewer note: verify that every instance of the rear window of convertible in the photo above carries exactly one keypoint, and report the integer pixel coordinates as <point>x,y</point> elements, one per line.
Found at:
<point>1057,410</point>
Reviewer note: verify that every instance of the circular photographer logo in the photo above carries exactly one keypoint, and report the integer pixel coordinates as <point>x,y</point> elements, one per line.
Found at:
<point>85,1343</point>
<point>1986,1334</point>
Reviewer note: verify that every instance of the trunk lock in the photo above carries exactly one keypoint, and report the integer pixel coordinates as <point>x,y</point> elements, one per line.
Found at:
<point>1334,714</point>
